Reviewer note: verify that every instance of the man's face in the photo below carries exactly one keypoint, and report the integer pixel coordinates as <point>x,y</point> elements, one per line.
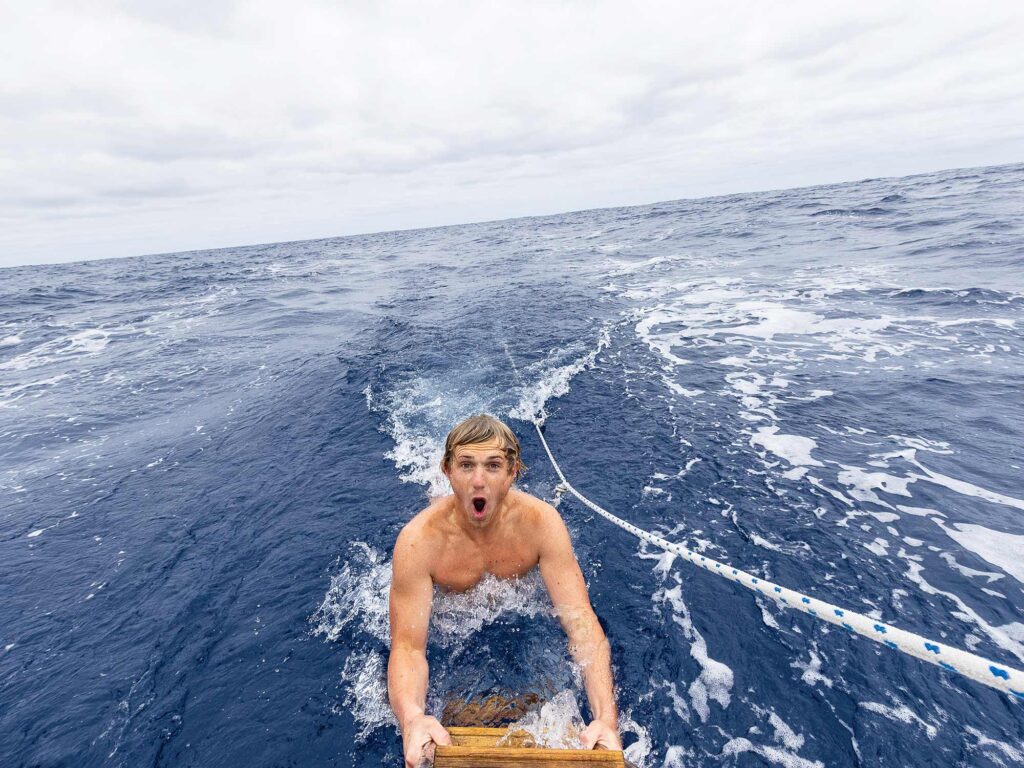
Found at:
<point>481,478</point>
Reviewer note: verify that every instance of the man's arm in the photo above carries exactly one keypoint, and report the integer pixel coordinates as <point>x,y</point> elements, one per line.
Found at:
<point>587,643</point>
<point>410,604</point>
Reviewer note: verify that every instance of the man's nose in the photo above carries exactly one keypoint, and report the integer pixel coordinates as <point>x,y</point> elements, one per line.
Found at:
<point>478,477</point>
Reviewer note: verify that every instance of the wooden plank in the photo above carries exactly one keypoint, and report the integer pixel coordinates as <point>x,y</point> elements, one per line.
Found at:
<point>478,748</point>
<point>528,757</point>
<point>489,737</point>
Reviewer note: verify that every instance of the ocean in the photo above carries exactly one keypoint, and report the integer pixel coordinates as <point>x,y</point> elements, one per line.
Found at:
<point>207,456</point>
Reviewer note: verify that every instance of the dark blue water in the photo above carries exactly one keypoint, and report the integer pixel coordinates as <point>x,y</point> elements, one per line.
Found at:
<point>206,458</point>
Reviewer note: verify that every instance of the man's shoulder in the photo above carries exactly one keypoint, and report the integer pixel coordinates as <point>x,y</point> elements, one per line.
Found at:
<point>426,526</point>
<point>418,543</point>
<point>543,525</point>
<point>538,511</point>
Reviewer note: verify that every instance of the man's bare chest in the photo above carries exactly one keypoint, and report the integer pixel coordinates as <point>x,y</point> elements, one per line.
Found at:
<point>462,566</point>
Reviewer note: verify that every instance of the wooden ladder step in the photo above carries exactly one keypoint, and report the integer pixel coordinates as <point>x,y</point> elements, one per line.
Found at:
<point>478,748</point>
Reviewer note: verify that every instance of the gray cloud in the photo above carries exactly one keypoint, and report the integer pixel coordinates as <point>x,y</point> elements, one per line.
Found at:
<point>170,188</point>
<point>210,17</point>
<point>47,201</point>
<point>158,126</point>
<point>41,105</point>
<point>183,143</point>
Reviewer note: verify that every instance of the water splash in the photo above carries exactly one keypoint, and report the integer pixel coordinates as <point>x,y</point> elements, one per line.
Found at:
<point>557,724</point>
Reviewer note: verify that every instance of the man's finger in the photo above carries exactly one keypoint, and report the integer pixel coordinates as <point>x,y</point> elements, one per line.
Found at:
<point>605,742</point>
<point>610,740</point>
<point>416,754</point>
<point>440,735</point>
<point>599,736</point>
<point>587,739</point>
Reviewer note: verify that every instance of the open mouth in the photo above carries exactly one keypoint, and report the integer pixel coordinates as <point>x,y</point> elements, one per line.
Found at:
<point>479,503</point>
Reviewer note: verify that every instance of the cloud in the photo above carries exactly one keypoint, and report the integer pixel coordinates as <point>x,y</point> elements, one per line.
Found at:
<point>148,127</point>
<point>159,145</point>
<point>210,17</point>
<point>167,188</point>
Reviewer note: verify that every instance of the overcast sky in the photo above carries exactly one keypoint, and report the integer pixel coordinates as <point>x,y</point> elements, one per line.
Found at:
<point>169,125</point>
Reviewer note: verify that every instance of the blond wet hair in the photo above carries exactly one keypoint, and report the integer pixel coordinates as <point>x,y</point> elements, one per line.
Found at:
<point>484,428</point>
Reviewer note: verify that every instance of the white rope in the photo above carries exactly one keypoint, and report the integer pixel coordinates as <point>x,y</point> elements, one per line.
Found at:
<point>998,676</point>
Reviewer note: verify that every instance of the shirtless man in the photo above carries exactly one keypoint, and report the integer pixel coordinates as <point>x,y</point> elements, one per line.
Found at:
<point>484,527</point>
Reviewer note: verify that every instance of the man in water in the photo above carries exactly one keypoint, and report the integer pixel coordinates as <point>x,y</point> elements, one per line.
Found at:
<point>486,526</point>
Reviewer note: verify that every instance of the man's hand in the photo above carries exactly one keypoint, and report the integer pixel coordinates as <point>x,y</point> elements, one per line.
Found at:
<point>419,737</point>
<point>600,734</point>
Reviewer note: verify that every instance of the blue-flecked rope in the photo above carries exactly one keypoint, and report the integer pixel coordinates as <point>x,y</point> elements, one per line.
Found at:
<point>978,668</point>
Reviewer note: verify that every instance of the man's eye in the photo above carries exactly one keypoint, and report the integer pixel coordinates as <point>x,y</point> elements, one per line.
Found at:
<point>493,467</point>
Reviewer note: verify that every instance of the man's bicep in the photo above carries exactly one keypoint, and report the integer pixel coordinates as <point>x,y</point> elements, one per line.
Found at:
<point>411,596</point>
<point>559,568</point>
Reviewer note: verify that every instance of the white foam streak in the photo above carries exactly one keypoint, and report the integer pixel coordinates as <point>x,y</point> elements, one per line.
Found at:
<point>1007,637</point>
<point>357,598</point>
<point>366,692</point>
<point>11,394</point>
<point>795,449</point>
<point>1016,754</point>
<point>1003,550</point>
<point>714,682</point>
<point>770,753</point>
<point>90,341</point>
<point>854,477</point>
<point>901,714</point>
<point>968,489</point>
<point>557,724</point>
<point>637,752</point>
<point>919,511</point>
<point>554,383</point>
<point>784,734</point>
<point>458,615</point>
<point>811,671</point>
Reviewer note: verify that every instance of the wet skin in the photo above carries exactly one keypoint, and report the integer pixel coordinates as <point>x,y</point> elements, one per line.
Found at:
<point>486,527</point>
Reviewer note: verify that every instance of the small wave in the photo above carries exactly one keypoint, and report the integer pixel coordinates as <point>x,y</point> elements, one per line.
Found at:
<point>90,341</point>
<point>365,679</point>
<point>457,615</point>
<point>557,724</point>
<point>996,547</point>
<point>834,212</point>
<point>356,602</point>
<point>771,753</point>
<point>714,683</point>
<point>874,210</point>
<point>420,411</point>
<point>553,383</point>
<point>417,415</point>
<point>357,597</point>
<point>11,394</point>
<point>951,297</point>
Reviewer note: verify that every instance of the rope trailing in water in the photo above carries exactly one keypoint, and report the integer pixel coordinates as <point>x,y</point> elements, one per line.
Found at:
<point>982,670</point>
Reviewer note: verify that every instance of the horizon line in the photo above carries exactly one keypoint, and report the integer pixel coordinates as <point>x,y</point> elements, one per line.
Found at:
<point>500,220</point>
